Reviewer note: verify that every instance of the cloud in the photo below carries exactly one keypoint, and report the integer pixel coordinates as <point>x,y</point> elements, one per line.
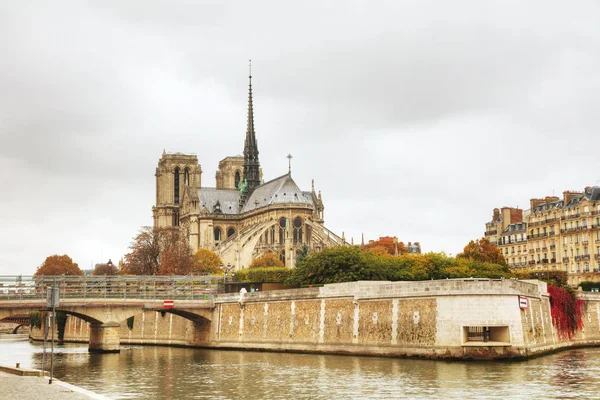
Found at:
<point>415,118</point>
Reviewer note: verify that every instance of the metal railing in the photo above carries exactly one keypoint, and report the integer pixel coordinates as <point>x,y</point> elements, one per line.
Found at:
<point>186,287</point>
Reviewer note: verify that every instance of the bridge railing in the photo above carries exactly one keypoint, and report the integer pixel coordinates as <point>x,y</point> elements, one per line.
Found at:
<point>188,287</point>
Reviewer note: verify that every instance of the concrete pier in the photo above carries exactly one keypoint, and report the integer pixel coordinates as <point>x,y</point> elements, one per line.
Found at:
<point>105,338</point>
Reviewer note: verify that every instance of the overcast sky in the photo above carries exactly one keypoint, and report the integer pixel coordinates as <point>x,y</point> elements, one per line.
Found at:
<point>415,118</point>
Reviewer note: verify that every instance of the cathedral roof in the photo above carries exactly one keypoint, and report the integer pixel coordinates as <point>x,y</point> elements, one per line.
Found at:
<point>228,200</point>
<point>277,191</point>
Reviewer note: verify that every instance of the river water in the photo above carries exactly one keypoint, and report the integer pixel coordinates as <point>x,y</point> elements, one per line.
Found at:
<point>146,372</point>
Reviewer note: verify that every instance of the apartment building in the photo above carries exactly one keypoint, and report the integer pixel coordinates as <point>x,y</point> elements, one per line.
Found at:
<point>555,234</point>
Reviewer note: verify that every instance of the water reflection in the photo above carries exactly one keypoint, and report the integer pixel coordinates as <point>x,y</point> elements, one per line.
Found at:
<point>174,373</point>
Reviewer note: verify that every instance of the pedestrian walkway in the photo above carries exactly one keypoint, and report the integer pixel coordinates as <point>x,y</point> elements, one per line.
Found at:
<point>37,388</point>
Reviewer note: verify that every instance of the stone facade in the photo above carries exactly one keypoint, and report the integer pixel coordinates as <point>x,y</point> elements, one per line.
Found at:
<point>555,235</point>
<point>242,217</point>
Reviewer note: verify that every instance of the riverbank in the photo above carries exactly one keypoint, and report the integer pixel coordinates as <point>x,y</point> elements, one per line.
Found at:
<point>37,388</point>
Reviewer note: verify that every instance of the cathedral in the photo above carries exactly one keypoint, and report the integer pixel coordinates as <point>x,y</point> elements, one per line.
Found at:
<point>242,217</point>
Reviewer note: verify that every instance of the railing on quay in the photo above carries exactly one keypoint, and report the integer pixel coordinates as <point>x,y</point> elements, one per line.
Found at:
<point>186,287</point>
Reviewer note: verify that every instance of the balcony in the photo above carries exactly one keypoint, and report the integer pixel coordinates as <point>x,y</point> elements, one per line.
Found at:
<point>544,261</point>
<point>531,251</point>
<point>584,241</point>
<point>565,259</point>
<point>544,248</point>
<point>595,212</point>
<point>532,262</point>
<point>552,233</point>
<point>538,250</point>
<point>553,260</point>
<point>552,246</point>
<point>490,233</point>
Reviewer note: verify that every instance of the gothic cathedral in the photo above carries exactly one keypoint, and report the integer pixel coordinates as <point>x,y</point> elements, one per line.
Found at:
<point>242,217</point>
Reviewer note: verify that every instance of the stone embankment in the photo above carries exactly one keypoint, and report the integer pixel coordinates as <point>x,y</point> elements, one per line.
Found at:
<point>457,318</point>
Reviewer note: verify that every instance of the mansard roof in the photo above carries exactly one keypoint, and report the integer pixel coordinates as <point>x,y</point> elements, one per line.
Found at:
<point>281,190</point>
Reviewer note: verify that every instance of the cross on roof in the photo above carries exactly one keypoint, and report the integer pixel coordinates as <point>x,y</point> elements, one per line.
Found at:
<point>289,157</point>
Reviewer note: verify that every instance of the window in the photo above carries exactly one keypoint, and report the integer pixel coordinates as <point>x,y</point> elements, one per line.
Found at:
<point>282,229</point>
<point>298,230</point>
<point>186,177</point>
<point>176,186</point>
<point>230,232</point>
<point>218,235</point>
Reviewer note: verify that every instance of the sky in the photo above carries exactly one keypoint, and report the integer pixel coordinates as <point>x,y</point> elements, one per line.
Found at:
<point>414,118</point>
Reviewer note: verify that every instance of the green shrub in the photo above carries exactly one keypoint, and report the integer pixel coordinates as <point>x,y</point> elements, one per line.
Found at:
<point>35,320</point>
<point>268,275</point>
<point>587,286</point>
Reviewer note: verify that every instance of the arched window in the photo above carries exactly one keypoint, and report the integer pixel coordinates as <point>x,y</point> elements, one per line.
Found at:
<point>186,177</point>
<point>237,179</point>
<point>176,186</point>
<point>282,225</point>
<point>218,235</point>
<point>298,230</point>
<point>272,234</point>
<point>230,232</point>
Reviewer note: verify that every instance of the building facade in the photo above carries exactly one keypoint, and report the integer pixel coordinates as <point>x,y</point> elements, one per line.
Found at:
<point>556,235</point>
<point>242,217</point>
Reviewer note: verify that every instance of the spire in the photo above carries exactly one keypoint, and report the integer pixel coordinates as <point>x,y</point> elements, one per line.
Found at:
<point>251,162</point>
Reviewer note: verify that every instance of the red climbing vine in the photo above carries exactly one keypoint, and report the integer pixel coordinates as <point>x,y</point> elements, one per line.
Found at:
<point>566,311</point>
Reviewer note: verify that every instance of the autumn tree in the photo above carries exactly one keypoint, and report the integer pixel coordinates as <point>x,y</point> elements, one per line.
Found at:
<point>267,260</point>
<point>158,252</point>
<point>482,250</point>
<point>175,256</point>
<point>386,243</point>
<point>105,269</point>
<point>206,262</point>
<point>144,255</point>
<point>58,265</point>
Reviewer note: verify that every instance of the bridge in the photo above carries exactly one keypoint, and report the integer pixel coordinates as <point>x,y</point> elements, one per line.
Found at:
<point>108,301</point>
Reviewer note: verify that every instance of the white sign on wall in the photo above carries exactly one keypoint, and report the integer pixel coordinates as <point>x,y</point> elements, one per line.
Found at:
<point>523,303</point>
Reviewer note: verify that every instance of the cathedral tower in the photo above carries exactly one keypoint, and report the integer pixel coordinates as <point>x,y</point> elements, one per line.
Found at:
<point>175,171</point>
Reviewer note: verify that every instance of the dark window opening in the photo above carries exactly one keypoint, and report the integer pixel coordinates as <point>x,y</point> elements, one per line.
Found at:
<point>176,186</point>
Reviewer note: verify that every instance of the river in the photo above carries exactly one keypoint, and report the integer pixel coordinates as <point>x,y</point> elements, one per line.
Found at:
<point>146,372</point>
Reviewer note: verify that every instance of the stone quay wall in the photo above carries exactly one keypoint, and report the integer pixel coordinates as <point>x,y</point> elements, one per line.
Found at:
<point>433,319</point>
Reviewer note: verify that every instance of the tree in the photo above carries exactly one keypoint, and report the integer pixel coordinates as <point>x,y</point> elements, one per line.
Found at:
<point>58,265</point>
<point>105,269</point>
<point>175,255</point>
<point>158,251</point>
<point>144,256</point>
<point>387,243</point>
<point>335,264</point>
<point>206,262</point>
<point>267,260</point>
<point>482,250</point>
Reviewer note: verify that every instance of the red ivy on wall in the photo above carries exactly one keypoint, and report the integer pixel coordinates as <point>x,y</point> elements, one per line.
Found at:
<point>566,311</point>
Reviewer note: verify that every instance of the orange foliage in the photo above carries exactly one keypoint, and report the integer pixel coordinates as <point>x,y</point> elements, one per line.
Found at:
<point>267,260</point>
<point>387,243</point>
<point>58,265</point>
<point>206,262</point>
<point>482,250</point>
<point>105,269</point>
